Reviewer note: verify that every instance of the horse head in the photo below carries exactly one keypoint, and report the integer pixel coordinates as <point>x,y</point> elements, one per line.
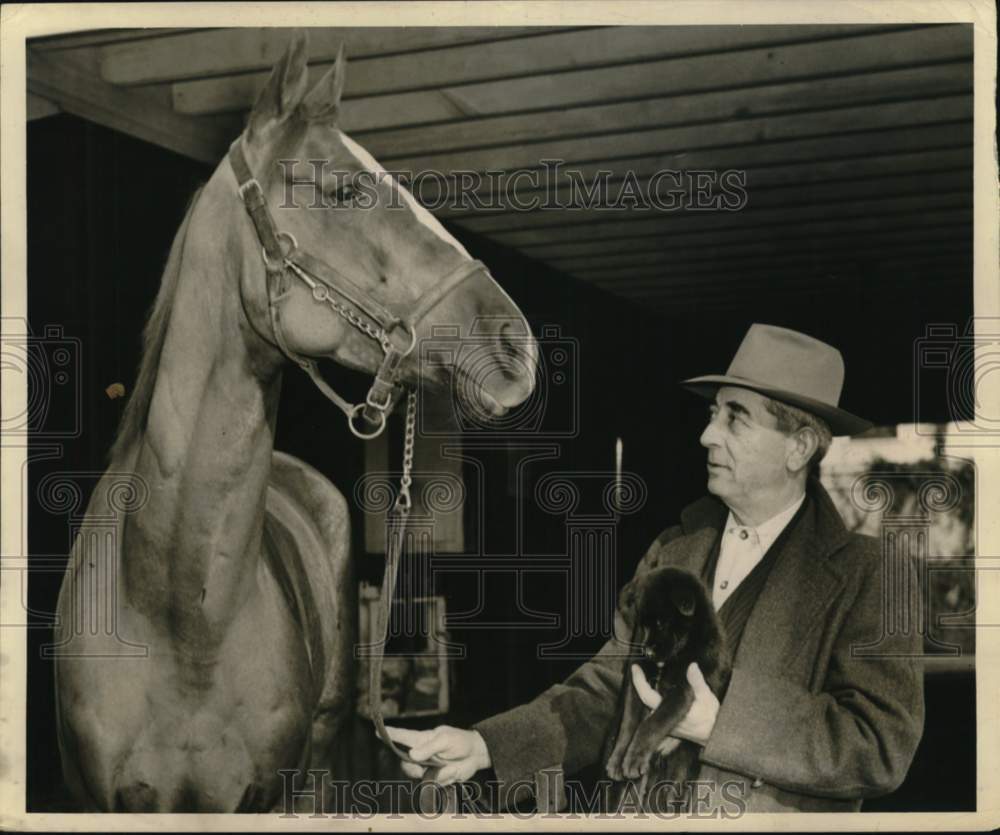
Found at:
<point>361,271</point>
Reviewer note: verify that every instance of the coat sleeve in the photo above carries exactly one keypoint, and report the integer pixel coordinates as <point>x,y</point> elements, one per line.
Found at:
<point>855,736</point>
<point>564,728</point>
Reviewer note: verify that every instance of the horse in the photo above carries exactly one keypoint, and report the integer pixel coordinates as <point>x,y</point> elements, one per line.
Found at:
<point>230,654</point>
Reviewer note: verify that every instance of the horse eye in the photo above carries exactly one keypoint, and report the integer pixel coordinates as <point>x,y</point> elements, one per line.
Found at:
<point>343,194</point>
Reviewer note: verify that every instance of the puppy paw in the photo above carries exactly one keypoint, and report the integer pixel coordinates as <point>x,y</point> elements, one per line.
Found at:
<point>614,765</point>
<point>636,763</point>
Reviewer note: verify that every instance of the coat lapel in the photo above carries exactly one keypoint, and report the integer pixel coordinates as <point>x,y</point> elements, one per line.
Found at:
<point>801,585</point>
<point>701,522</point>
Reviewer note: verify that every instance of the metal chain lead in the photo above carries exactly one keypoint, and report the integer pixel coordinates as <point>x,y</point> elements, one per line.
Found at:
<point>322,294</point>
<point>403,502</point>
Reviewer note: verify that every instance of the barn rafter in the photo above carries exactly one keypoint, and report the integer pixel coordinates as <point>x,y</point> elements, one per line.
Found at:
<point>858,135</point>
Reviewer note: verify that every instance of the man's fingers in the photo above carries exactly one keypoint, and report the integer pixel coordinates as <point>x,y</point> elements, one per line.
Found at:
<point>407,736</point>
<point>447,775</point>
<point>439,744</point>
<point>697,680</point>
<point>650,698</point>
<point>413,770</point>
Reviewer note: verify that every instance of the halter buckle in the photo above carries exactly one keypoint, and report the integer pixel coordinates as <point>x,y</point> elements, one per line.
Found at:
<point>378,407</point>
<point>245,187</point>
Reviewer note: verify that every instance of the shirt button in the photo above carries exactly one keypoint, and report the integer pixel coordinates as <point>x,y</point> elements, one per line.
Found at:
<point>744,534</point>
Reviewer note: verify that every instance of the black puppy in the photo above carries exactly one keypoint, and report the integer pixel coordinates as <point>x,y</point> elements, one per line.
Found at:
<point>676,624</point>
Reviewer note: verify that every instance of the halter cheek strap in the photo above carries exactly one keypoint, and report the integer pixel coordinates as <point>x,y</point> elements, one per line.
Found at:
<point>395,335</point>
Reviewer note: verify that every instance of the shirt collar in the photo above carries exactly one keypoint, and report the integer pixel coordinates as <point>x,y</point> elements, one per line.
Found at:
<point>766,532</point>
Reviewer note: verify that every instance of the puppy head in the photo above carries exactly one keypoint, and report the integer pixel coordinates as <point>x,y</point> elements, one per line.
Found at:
<point>672,607</point>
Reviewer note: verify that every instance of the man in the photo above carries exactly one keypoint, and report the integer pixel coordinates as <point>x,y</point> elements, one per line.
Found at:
<point>821,710</point>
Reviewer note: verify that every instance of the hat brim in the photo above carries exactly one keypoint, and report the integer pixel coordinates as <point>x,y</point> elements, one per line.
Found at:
<point>839,421</point>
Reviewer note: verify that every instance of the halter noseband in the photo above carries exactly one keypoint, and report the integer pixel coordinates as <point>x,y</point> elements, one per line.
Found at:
<point>396,335</point>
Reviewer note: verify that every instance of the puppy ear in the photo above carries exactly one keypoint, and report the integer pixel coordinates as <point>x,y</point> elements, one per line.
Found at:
<point>628,599</point>
<point>683,600</point>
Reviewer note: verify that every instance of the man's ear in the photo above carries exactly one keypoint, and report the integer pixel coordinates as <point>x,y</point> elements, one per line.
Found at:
<point>322,103</point>
<point>804,442</point>
<point>284,89</point>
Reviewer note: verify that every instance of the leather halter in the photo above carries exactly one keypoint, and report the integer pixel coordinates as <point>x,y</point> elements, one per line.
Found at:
<point>396,335</point>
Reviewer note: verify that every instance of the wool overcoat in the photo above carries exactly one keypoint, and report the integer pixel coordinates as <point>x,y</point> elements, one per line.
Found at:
<point>825,706</point>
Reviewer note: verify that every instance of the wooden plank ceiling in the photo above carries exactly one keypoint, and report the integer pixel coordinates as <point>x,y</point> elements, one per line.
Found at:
<point>856,141</point>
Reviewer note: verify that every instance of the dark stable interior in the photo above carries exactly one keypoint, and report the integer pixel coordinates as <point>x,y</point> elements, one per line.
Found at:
<point>102,211</point>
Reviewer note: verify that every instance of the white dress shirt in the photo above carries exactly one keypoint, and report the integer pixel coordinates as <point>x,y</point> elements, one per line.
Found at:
<point>743,547</point>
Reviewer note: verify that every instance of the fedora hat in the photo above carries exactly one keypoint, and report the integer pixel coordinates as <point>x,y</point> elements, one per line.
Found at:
<point>791,367</point>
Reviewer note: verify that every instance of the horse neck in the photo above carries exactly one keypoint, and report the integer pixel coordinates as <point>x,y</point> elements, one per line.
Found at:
<point>190,554</point>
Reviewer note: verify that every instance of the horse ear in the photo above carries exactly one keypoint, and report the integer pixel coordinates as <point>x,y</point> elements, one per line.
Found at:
<point>286,86</point>
<point>322,103</point>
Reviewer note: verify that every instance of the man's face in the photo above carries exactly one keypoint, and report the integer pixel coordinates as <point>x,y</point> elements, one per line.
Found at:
<point>746,450</point>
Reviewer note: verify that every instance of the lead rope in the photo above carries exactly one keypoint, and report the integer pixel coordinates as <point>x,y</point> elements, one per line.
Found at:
<point>395,528</point>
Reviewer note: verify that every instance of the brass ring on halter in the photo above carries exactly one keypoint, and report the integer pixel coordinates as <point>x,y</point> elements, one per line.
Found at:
<point>364,436</point>
<point>293,245</point>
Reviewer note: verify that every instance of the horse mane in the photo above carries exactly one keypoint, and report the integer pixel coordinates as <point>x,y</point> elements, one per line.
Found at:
<point>154,333</point>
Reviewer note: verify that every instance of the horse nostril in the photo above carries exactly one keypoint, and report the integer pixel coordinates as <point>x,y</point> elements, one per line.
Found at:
<point>515,351</point>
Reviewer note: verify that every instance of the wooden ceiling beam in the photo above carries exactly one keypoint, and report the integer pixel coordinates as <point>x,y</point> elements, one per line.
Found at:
<point>957,221</point>
<point>75,88</point>
<point>775,162</point>
<point>38,108</point>
<point>608,63</point>
<point>104,37</point>
<point>755,213</point>
<point>252,50</point>
<point>949,179</point>
<point>636,277</point>
<point>800,161</point>
<point>721,222</point>
<point>828,123</point>
<point>838,90</point>
<point>771,248</point>
<point>856,287</point>
<point>757,278</point>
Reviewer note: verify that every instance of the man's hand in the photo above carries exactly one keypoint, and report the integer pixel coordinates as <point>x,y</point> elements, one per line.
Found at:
<point>697,725</point>
<point>464,751</point>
